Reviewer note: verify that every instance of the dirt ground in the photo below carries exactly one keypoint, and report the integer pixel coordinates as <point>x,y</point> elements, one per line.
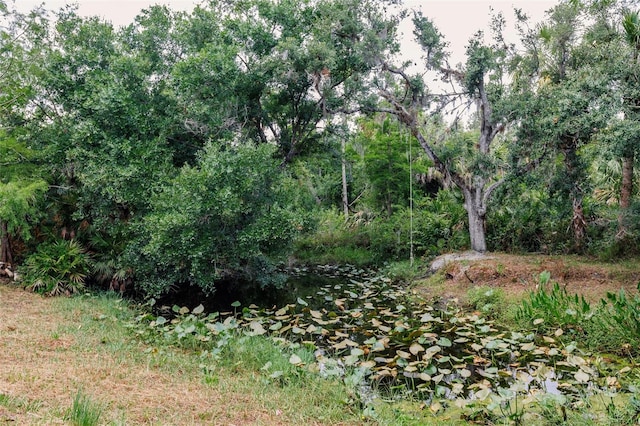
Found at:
<point>517,275</point>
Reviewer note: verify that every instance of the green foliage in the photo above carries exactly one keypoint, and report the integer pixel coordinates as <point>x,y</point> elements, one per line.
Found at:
<point>386,164</point>
<point>490,301</point>
<point>403,271</point>
<point>616,328</point>
<point>480,61</point>
<point>366,239</point>
<point>332,241</point>
<point>21,187</point>
<point>438,226</point>
<point>260,70</point>
<point>631,25</point>
<point>18,202</point>
<point>226,218</point>
<point>606,241</point>
<point>524,202</point>
<point>110,117</point>
<point>613,326</point>
<point>430,39</point>
<point>84,412</point>
<point>548,310</point>
<point>56,268</point>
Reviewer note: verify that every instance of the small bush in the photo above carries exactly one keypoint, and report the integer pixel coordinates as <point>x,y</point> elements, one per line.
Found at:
<point>489,301</point>
<point>57,268</point>
<point>404,271</point>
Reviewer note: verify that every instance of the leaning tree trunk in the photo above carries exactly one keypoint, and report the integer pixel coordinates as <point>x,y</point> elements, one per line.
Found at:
<point>6,254</point>
<point>476,194</point>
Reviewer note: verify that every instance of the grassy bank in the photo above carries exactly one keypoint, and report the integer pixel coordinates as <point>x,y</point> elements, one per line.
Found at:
<point>92,360</point>
<point>75,361</point>
<point>62,357</point>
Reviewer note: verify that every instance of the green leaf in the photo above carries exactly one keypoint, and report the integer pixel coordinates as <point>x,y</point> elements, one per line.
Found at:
<point>275,327</point>
<point>444,341</point>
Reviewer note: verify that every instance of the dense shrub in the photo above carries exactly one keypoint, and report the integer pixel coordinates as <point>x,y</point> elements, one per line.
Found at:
<point>528,220</point>
<point>57,267</point>
<point>227,218</point>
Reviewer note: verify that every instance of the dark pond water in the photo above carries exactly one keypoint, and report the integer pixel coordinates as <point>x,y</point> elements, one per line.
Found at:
<point>314,285</point>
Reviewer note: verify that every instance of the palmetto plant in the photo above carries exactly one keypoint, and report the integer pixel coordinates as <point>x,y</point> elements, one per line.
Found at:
<point>57,268</point>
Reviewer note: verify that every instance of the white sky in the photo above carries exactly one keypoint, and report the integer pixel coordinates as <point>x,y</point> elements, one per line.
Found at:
<point>458,20</point>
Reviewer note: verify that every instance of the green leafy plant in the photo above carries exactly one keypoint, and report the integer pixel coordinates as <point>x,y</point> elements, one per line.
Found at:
<point>552,309</point>
<point>57,268</point>
<point>234,220</point>
<point>616,328</point>
<point>489,301</point>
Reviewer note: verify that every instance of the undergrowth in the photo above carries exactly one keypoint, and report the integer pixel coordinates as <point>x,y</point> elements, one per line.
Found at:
<point>611,326</point>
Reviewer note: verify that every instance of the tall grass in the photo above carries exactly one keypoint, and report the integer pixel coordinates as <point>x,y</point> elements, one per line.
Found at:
<point>612,325</point>
<point>84,411</point>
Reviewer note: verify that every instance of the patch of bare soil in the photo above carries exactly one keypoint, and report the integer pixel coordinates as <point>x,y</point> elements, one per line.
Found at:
<point>517,275</point>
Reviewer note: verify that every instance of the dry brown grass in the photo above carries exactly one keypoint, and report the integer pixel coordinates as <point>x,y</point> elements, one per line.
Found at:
<point>517,275</point>
<point>45,359</point>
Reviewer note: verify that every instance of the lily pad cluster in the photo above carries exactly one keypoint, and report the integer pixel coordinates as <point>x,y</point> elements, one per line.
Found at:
<point>369,323</point>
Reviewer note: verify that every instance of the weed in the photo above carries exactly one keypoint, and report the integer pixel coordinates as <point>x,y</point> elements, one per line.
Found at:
<point>617,327</point>
<point>84,411</point>
<point>489,301</point>
<point>13,403</point>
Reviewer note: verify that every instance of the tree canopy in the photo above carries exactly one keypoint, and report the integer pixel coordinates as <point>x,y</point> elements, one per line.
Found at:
<point>199,148</point>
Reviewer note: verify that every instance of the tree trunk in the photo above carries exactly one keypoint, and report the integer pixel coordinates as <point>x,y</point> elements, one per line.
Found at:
<point>476,215</point>
<point>6,254</point>
<point>345,193</point>
<point>626,191</point>
<point>627,182</point>
<point>578,223</point>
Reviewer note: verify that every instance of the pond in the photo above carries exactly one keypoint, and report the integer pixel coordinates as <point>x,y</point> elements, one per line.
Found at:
<point>361,321</point>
